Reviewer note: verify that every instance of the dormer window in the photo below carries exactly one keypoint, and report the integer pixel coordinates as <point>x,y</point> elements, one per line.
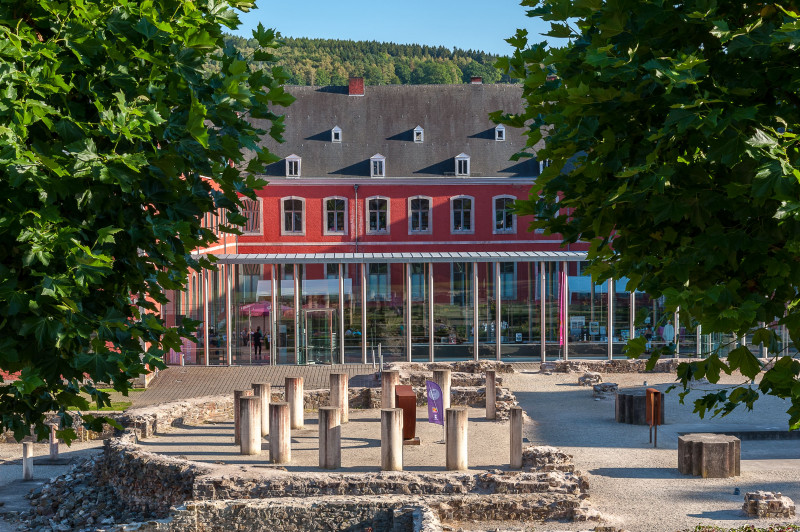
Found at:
<point>419,134</point>
<point>462,164</point>
<point>336,134</point>
<point>293,166</point>
<point>500,133</point>
<point>377,165</point>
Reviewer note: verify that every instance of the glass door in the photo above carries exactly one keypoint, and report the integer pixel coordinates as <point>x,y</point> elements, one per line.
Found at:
<point>319,335</point>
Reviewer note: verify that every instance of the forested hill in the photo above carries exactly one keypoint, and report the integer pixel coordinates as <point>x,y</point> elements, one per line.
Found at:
<point>331,62</point>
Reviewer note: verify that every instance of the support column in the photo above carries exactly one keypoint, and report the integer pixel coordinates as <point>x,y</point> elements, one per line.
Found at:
<point>516,437</point>
<point>475,294</point>
<point>250,425</point>
<point>632,317</point>
<point>273,319</point>
<point>264,391</point>
<point>206,342</point>
<point>498,293</point>
<point>27,460</point>
<point>442,377</point>
<point>330,437</point>
<point>610,324</point>
<point>228,313</point>
<point>340,396</point>
<point>297,309</point>
<point>363,268</point>
<point>280,437</point>
<point>294,396</point>
<point>391,439</point>
<point>389,379</point>
<point>456,428</point>
<point>407,313</point>
<point>542,319</point>
<point>565,313</point>
<point>341,314</point>
<point>491,394</point>
<point>53,443</point>
<point>238,394</point>
<point>430,312</point>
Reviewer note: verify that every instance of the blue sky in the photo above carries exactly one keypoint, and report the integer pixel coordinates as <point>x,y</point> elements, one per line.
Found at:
<point>468,24</point>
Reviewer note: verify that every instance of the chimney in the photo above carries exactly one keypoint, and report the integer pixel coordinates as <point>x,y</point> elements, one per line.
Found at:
<point>476,80</point>
<point>356,86</point>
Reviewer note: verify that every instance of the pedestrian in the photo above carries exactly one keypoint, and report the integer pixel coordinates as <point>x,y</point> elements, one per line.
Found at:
<point>257,336</point>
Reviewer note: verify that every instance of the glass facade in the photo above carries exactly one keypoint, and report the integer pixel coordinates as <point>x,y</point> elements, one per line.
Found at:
<point>330,313</point>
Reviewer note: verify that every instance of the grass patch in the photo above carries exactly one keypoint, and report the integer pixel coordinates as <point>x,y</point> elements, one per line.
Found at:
<point>112,390</point>
<point>115,406</point>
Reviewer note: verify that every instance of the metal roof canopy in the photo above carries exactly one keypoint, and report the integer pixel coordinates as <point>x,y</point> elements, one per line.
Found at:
<point>441,256</point>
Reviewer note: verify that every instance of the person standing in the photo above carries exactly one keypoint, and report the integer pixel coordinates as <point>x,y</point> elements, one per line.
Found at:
<point>257,336</point>
<point>669,333</point>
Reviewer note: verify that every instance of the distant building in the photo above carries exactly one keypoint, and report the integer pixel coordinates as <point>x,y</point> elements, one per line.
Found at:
<point>389,222</point>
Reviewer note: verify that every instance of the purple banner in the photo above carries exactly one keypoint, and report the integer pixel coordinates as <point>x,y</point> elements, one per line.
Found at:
<point>435,403</point>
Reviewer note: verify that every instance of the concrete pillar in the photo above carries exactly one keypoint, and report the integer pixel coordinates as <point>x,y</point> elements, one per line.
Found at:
<point>27,460</point>
<point>456,430</point>
<point>294,396</point>
<point>330,437</point>
<point>280,437</point>
<point>442,377</point>
<point>238,394</point>
<point>250,425</point>
<point>340,395</point>
<point>491,394</point>
<point>391,439</point>
<point>264,391</point>
<point>389,379</point>
<point>53,443</point>
<point>516,437</point>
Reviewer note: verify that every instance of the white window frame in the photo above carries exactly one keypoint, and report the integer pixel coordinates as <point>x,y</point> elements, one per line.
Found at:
<point>462,158</point>
<point>453,229</point>
<point>259,215</point>
<point>427,231</point>
<point>336,134</point>
<point>293,160</point>
<point>419,135</point>
<point>379,295</point>
<point>377,165</point>
<point>505,230</point>
<point>500,133</point>
<point>325,229</point>
<point>284,231</point>
<point>388,216</point>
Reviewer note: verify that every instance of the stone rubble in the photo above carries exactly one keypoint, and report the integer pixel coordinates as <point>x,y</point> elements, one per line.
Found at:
<point>768,504</point>
<point>590,378</point>
<point>605,390</point>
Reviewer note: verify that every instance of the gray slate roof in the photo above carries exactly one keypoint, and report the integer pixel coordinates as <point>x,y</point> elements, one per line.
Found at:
<point>454,118</point>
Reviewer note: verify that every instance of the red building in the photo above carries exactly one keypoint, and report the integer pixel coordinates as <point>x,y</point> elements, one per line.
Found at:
<point>389,222</point>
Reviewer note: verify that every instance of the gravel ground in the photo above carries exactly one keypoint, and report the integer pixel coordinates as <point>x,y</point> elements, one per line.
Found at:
<point>638,487</point>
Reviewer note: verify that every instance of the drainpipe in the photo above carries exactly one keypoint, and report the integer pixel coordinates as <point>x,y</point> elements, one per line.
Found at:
<point>355,229</point>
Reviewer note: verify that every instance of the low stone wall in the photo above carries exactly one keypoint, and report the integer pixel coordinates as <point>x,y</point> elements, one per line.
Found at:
<point>611,366</point>
<point>463,366</point>
<point>297,515</point>
<point>456,379</point>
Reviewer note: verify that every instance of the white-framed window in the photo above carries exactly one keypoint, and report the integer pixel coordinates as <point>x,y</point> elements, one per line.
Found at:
<point>417,281</point>
<point>505,221</point>
<point>336,134</point>
<point>377,165</point>
<point>500,133</point>
<point>335,212</point>
<point>508,280</point>
<point>293,166</point>
<point>419,135</point>
<point>544,163</point>
<point>461,214</point>
<point>419,214</point>
<point>251,209</point>
<point>377,215</point>
<point>378,287</point>
<point>462,164</point>
<point>292,215</point>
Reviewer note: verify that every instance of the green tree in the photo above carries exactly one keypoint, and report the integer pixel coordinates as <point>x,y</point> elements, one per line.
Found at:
<point>111,132</point>
<point>672,131</point>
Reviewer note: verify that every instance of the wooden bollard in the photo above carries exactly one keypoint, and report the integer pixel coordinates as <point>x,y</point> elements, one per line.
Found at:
<point>280,436</point>
<point>456,430</point>
<point>330,437</point>
<point>238,394</point>
<point>53,443</point>
<point>340,395</point>
<point>491,394</point>
<point>516,437</point>
<point>389,379</point>
<point>27,460</point>
<point>264,391</point>
<point>294,396</point>
<point>391,439</point>
<point>443,377</point>
<point>250,425</point>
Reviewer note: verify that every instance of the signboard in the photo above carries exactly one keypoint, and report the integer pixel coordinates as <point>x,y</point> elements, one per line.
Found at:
<point>435,403</point>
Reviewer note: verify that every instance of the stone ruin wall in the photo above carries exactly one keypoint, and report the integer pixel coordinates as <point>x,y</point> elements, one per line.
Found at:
<point>611,366</point>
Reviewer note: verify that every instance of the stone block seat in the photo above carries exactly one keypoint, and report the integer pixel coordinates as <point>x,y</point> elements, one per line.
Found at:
<point>709,455</point>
